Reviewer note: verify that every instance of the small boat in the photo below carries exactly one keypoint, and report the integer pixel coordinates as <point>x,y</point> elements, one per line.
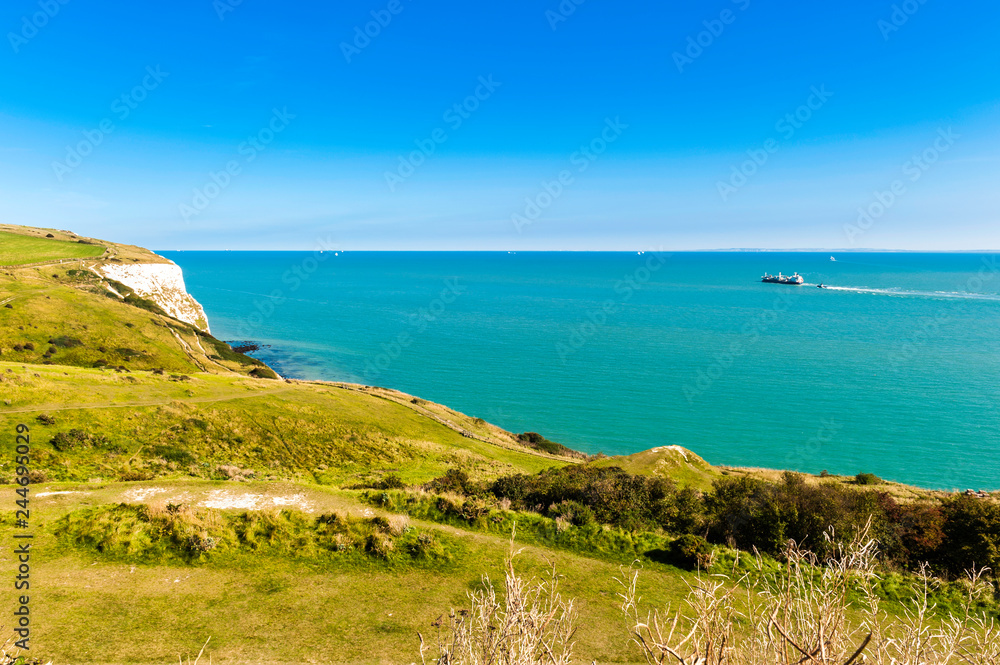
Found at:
<point>795,280</point>
<point>833,258</point>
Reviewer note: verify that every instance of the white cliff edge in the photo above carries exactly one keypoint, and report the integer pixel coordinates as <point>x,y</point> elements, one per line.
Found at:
<point>163,283</point>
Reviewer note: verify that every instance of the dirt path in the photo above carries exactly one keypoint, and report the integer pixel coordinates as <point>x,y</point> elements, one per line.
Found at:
<point>255,496</point>
<point>186,348</point>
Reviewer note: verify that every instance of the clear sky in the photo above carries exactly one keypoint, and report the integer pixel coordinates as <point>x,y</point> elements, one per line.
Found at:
<point>508,124</point>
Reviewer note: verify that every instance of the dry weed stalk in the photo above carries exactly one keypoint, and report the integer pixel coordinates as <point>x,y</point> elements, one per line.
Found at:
<point>804,615</point>
<point>11,655</point>
<point>529,625</point>
<point>181,662</point>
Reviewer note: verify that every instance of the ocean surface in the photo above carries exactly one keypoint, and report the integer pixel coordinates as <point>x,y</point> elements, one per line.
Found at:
<point>893,369</point>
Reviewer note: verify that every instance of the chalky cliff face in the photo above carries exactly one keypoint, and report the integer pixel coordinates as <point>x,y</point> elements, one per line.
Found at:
<point>163,283</point>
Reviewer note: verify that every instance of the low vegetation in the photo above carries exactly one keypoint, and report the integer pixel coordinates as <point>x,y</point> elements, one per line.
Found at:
<point>816,610</point>
<point>586,538</point>
<point>810,610</point>
<point>165,533</point>
<point>528,622</point>
<point>20,249</point>
<point>750,514</point>
<point>539,442</point>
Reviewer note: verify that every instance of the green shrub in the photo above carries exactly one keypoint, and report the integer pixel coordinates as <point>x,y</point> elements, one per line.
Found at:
<point>455,481</point>
<point>379,545</point>
<point>427,547</point>
<point>64,342</point>
<point>690,552</point>
<point>391,481</point>
<point>539,442</point>
<point>573,511</point>
<point>76,439</point>
<point>867,479</point>
<point>174,454</point>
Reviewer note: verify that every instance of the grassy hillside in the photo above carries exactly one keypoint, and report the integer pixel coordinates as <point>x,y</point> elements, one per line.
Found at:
<point>108,425</point>
<point>19,249</point>
<point>674,462</point>
<point>54,315</point>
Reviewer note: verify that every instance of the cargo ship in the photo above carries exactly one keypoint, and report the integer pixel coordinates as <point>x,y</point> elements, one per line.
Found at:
<point>794,280</point>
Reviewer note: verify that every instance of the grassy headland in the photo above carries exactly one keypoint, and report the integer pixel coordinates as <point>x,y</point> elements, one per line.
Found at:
<point>22,248</point>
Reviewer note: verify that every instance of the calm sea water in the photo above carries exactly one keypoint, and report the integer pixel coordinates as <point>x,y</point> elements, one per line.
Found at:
<point>894,370</point>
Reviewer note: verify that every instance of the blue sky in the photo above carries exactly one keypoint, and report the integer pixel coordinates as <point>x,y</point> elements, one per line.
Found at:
<point>597,125</point>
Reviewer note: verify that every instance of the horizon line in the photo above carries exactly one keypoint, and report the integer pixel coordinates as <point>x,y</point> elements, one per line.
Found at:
<point>733,250</point>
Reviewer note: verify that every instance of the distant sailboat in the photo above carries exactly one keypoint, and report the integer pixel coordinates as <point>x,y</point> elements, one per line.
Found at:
<point>833,258</point>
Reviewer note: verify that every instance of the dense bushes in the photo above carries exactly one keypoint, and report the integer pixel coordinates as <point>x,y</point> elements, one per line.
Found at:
<point>971,535</point>
<point>559,532</point>
<point>959,534</point>
<point>77,438</point>
<point>612,495</point>
<point>690,551</point>
<point>867,479</point>
<point>751,514</point>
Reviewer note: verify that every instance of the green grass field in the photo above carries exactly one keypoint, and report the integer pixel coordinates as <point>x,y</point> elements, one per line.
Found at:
<point>267,606</point>
<point>17,249</point>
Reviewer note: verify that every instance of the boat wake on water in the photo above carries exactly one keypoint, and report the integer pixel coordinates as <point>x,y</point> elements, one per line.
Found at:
<point>917,294</point>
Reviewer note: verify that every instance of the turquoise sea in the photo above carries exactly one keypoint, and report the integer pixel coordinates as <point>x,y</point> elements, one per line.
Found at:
<point>894,369</point>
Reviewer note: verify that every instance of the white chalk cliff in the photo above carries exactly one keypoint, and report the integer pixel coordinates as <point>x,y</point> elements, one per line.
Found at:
<point>163,283</point>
